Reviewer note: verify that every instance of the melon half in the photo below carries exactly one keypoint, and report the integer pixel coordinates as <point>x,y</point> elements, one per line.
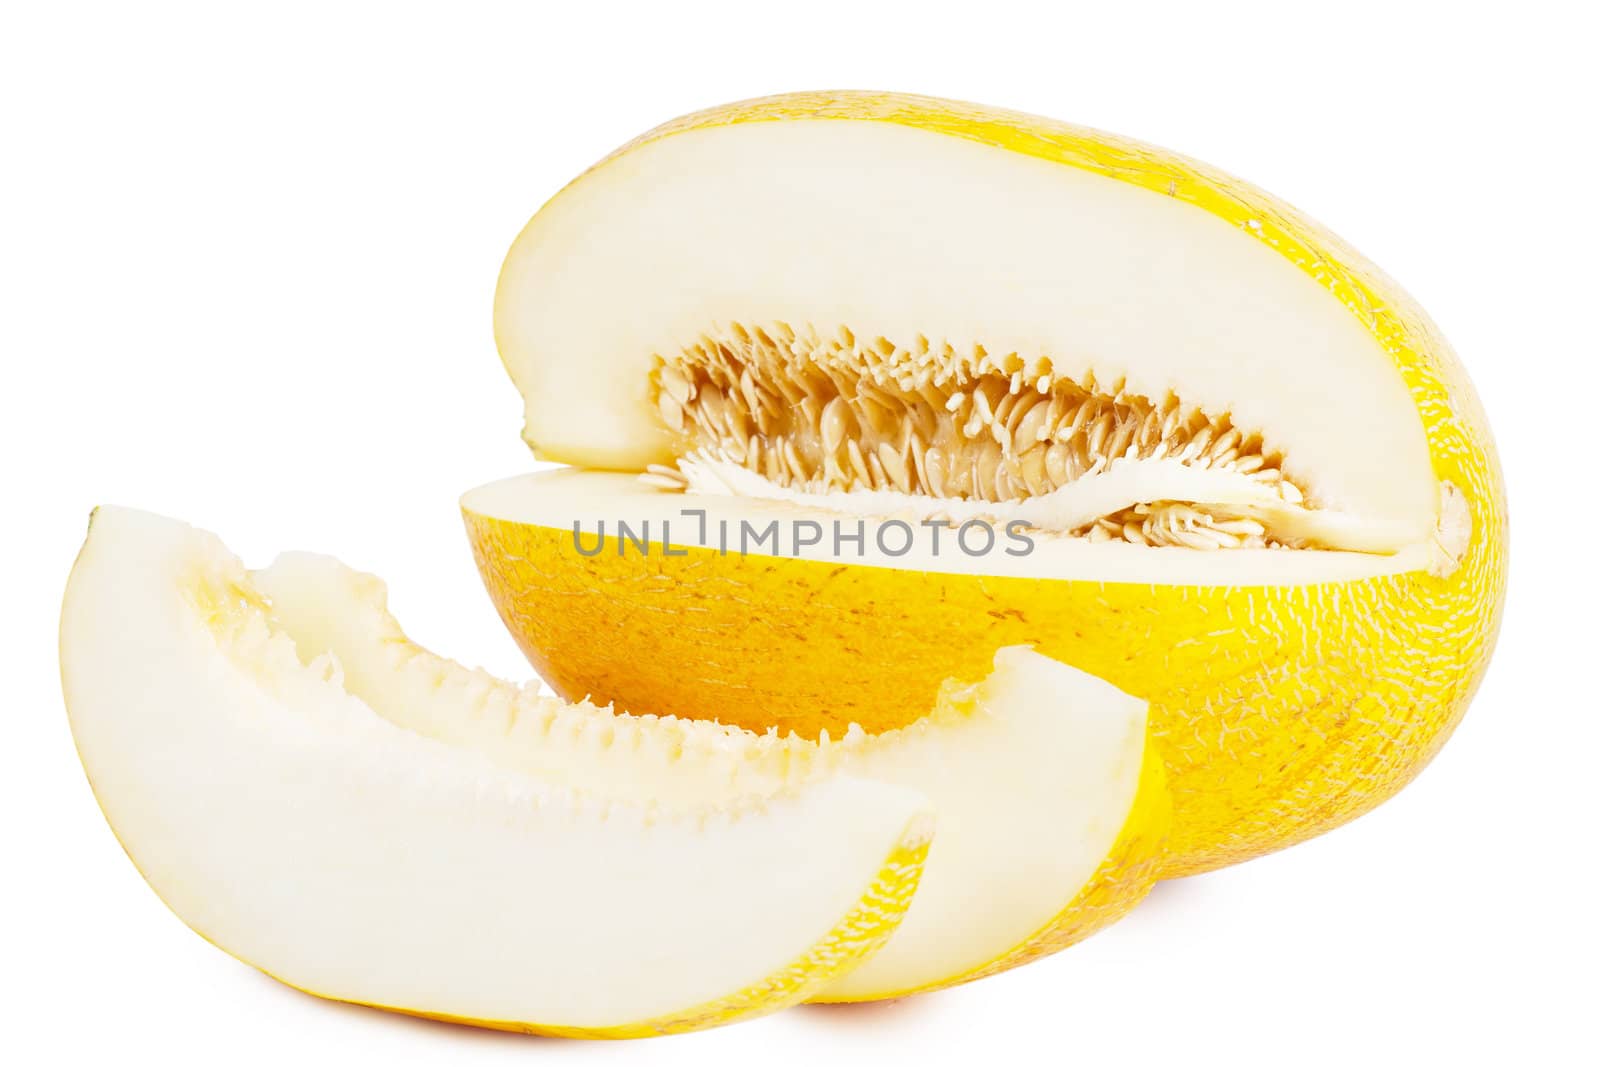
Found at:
<point>364,820</point>
<point>803,352</point>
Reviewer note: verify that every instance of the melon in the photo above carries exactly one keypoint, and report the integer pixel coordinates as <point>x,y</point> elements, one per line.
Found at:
<point>857,388</point>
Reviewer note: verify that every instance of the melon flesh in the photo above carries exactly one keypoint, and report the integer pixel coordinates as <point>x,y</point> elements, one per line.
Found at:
<point>1047,801</point>
<point>301,830</point>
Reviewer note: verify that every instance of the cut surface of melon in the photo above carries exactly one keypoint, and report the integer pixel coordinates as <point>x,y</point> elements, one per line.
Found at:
<point>931,315</point>
<point>639,520</point>
<point>1051,812</point>
<point>345,853</point>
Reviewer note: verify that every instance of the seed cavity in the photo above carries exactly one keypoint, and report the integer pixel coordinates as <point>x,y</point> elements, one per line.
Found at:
<point>828,411</point>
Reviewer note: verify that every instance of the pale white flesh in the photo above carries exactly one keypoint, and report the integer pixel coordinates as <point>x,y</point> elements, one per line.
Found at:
<point>899,234</point>
<point>302,831</point>
<point>1032,772</point>
<point>559,499</point>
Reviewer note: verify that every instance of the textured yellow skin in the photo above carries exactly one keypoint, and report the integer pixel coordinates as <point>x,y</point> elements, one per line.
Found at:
<point>1123,878</point>
<point>862,931</point>
<point>1281,712</point>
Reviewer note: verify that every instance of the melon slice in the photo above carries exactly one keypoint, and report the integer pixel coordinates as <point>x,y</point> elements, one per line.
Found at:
<point>327,843</point>
<point>1258,487</point>
<point>1050,807</point>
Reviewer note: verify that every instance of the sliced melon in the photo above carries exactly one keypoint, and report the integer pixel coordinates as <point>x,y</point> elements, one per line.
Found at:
<point>325,841</point>
<point>368,821</point>
<point>1261,491</point>
<point>1050,808</point>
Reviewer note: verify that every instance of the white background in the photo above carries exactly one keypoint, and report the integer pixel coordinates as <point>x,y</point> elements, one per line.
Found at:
<point>246,263</point>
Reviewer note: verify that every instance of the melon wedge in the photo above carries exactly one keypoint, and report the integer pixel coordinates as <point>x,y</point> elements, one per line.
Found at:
<point>1262,492</point>
<point>1050,805</point>
<point>329,845</point>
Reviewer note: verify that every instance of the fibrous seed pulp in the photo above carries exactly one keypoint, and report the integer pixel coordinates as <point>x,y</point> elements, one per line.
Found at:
<point>834,413</point>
